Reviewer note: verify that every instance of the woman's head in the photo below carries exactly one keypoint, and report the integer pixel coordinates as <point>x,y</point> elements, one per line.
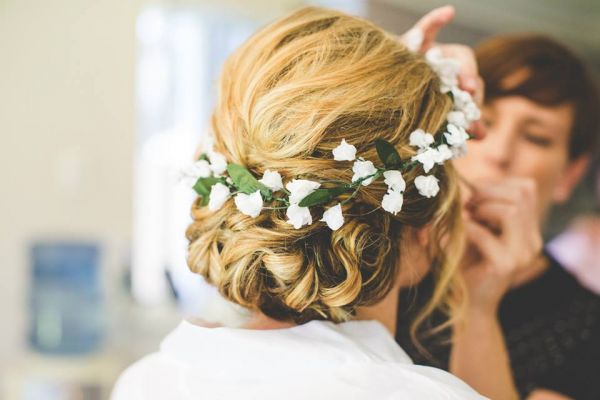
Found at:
<point>541,112</point>
<point>287,97</point>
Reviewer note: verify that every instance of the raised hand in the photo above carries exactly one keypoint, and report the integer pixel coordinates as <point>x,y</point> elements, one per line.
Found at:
<point>504,239</point>
<point>422,37</point>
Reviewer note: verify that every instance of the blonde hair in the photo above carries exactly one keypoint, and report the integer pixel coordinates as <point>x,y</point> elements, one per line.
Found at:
<point>286,98</point>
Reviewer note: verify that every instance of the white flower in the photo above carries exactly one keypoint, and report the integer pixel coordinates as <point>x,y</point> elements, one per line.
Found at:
<point>463,101</point>
<point>443,153</point>
<point>456,136</point>
<point>413,39</point>
<point>298,216</point>
<point>394,180</point>
<point>192,172</point>
<point>428,158</point>
<point>344,152</point>
<point>427,185</point>
<point>459,151</point>
<point>333,217</point>
<point>201,169</point>
<point>446,68</point>
<point>300,188</point>
<point>219,194</point>
<point>362,169</point>
<point>392,201</point>
<point>272,180</point>
<point>218,162</point>
<point>461,98</point>
<point>249,204</point>
<point>472,112</point>
<point>420,139</point>
<point>458,118</point>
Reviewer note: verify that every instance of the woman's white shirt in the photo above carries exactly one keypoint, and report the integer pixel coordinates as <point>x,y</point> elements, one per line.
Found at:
<point>317,360</point>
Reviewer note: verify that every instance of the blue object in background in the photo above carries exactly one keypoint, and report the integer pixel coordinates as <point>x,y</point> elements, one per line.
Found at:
<point>66,304</point>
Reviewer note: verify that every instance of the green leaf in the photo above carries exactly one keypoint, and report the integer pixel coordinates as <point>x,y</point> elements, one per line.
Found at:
<point>243,179</point>
<point>203,187</point>
<point>266,193</point>
<point>246,183</point>
<point>203,156</point>
<point>321,196</point>
<point>387,153</point>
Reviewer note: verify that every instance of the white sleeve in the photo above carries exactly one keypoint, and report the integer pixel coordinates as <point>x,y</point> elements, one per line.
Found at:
<point>137,379</point>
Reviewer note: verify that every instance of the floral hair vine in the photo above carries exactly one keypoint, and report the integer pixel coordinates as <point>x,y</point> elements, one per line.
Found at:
<point>207,174</point>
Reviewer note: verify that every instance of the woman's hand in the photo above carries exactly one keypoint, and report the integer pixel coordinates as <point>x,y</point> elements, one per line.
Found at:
<point>422,37</point>
<point>504,239</point>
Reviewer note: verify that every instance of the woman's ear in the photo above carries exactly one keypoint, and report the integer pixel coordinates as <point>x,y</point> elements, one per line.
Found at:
<point>423,235</point>
<point>571,176</point>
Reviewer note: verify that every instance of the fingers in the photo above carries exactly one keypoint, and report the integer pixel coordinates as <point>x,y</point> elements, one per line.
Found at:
<point>511,190</point>
<point>484,241</point>
<point>497,216</point>
<point>431,23</point>
<point>508,210</point>
<point>504,204</point>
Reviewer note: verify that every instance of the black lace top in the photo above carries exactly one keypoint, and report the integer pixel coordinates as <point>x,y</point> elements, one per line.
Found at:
<point>552,330</point>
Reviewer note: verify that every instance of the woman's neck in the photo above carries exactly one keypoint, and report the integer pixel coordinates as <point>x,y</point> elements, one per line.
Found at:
<point>384,312</point>
<point>260,321</point>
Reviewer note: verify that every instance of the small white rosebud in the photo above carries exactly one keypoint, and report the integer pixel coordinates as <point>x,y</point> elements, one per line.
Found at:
<point>461,98</point>
<point>334,217</point>
<point>298,216</point>
<point>459,151</point>
<point>249,204</point>
<point>471,111</point>
<point>219,194</point>
<point>446,68</point>
<point>201,169</point>
<point>300,188</point>
<point>420,139</point>
<point>362,169</point>
<point>456,136</point>
<point>443,154</point>
<point>413,39</point>
<point>428,158</point>
<point>392,202</point>
<point>344,152</point>
<point>427,185</point>
<point>218,162</point>
<point>272,180</point>
<point>458,118</point>
<point>394,180</point>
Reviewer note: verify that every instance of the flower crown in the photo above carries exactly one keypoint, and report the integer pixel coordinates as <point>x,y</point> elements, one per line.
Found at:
<point>207,174</point>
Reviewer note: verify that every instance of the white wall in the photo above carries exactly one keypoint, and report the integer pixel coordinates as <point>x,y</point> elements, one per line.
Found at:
<point>67,134</point>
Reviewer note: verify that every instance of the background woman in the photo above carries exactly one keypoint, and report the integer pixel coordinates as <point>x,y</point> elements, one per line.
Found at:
<point>532,329</point>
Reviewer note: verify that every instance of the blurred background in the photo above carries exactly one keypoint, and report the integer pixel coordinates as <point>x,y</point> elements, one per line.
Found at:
<point>101,102</point>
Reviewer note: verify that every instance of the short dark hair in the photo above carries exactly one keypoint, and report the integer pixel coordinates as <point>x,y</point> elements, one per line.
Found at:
<point>557,76</point>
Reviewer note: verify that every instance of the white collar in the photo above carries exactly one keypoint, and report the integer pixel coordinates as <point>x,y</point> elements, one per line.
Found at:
<point>314,345</point>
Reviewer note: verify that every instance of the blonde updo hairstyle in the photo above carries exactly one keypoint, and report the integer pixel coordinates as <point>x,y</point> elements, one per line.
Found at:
<point>287,97</point>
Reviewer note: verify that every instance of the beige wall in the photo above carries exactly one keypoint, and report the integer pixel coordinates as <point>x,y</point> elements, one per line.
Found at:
<point>67,129</point>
